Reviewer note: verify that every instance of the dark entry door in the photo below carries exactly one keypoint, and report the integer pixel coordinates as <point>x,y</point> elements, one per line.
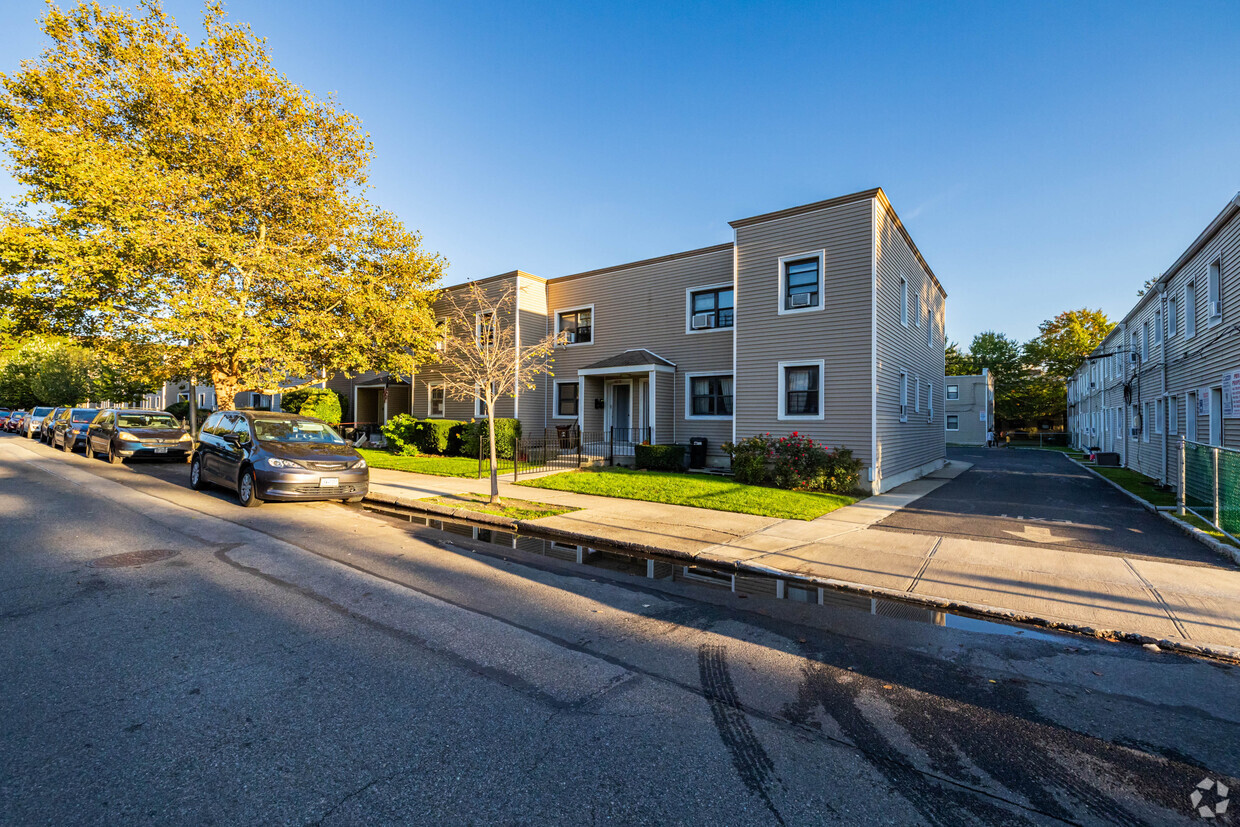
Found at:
<point>620,404</point>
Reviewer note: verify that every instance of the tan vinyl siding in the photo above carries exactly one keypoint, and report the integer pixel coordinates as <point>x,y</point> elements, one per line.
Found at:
<point>921,439</point>
<point>839,334</point>
<point>642,306</point>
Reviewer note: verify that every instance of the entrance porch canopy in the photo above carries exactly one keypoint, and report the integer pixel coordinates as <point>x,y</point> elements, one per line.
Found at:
<point>630,361</point>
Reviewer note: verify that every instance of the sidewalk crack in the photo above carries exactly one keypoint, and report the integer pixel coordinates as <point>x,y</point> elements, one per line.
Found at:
<point>1158,598</point>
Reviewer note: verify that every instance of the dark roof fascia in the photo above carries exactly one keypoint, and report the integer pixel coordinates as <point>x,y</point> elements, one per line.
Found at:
<point>645,262</point>
<point>804,208</point>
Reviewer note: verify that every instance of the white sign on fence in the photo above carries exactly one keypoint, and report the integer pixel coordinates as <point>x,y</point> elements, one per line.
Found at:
<point>1231,394</point>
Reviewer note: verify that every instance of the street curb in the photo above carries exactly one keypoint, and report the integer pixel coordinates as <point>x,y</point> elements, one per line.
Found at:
<point>977,610</point>
<point>1230,552</point>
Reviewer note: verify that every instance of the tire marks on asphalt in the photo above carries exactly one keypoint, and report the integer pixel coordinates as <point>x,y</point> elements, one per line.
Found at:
<point>753,765</point>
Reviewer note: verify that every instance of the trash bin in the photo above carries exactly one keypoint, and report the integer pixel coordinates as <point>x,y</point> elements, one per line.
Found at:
<point>697,452</point>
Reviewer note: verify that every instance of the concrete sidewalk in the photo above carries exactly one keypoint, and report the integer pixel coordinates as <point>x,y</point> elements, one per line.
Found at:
<point>1192,608</point>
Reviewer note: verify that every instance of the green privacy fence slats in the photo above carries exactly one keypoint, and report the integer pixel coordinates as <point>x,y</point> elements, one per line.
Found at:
<point>1200,493</point>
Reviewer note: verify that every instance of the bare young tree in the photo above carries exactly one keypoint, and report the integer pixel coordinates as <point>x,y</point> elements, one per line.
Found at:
<point>481,358</point>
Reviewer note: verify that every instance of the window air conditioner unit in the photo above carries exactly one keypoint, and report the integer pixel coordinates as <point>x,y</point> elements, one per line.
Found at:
<point>1216,308</point>
<point>799,300</point>
<point>570,336</point>
<point>703,320</point>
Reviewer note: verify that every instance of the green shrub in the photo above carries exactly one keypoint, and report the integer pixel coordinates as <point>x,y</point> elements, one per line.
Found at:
<point>475,434</point>
<point>749,459</point>
<point>660,457</point>
<point>793,462</point>
<point>437,436</point>
<point>320,403</point>
<point>401,434</point>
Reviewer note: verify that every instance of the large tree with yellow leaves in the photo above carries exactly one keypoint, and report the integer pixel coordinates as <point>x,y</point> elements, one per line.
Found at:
<point>188,196</point>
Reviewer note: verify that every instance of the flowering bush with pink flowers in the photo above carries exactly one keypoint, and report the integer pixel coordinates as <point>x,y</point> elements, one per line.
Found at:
<point>794,462</point>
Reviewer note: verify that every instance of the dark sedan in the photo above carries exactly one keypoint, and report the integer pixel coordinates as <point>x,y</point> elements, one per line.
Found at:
<point>69,429</point>
<point>121,433</point>
<point>11,424</point>
<point>45,429</point>
<point>264,455</point>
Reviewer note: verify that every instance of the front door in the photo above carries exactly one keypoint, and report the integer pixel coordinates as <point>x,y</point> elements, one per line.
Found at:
<point>621,409</point>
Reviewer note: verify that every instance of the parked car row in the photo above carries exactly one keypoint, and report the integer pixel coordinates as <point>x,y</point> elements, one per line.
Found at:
<point>260,455</point>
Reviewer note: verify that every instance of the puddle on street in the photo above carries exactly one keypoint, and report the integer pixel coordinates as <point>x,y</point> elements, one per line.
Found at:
<point>748,585</point>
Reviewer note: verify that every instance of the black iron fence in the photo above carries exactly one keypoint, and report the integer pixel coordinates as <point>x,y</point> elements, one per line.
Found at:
<point>561,449</point>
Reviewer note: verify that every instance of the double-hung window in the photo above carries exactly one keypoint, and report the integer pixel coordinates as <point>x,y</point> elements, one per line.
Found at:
<point>801,282</point>
<point>1145,341</point>
<point>576,324</point>
<point>1159,406</point>
<point>480,403</point>
<point>800,390</point>
<point>567,400</point>
<point>1173,316</point>
<point>953,422</point>
<point>1215,292</point>
<point>903,397</point>
<point>1173,415</point>
<point>710,395</point>
<point>711,308</point>
<point>1158,330</point>
<point>903,302</point>
<point>434,399</point>
<point>917,394</point>
<point>953,391</point>
<point>1190,310</point>
<point>485,329</point>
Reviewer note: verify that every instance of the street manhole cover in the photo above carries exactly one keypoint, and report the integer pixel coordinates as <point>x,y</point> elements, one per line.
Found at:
<point>133,558</point>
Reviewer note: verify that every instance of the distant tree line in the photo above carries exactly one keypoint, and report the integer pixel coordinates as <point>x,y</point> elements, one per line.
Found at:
<point>1030,377</point>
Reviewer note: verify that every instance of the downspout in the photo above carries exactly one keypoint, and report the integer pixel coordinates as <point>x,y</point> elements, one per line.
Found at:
<point>1162,357</point>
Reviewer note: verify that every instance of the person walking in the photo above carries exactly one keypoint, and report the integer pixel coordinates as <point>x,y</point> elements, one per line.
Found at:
<point>990,439</point>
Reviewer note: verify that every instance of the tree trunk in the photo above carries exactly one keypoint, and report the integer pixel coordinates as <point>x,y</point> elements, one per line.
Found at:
<point>226,389</point>
<point>494,464</point>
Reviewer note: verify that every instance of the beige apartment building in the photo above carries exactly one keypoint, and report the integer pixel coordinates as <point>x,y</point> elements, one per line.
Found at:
<point>970,408</point>
<point>822,319</point>
<point>1170,369</point>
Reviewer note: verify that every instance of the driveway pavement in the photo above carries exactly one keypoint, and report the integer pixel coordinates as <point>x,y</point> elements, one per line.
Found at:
<point>1041,498</point>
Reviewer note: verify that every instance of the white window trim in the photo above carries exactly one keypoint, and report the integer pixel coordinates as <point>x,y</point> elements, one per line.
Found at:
<point>689,377</point>
<point>949,422</point>
<point>916,394</point>
<point>929,401</point>
<point>903,301</point>
<point>555,398</point>
<point>1213,320</point>
<point>1160,413</point>
<point>478,325</point>
<point>821,255</point>
<point>783,396</point>
<point>1173,316</point>
<point>949,396</point>
<point>430,387</point>
<point>689,291</point>
<point>1146,425</point>
<point>593,323</point>
<point>479,402</point>
<point>1173,415</point>
<point>903,396</point>
<point>1158,323</point>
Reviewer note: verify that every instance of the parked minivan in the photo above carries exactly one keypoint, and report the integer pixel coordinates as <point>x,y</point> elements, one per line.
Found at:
<point>268,455</point>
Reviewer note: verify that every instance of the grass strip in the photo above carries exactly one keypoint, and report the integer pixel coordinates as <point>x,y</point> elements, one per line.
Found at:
<point>696,490</point>
<point>513,509</point>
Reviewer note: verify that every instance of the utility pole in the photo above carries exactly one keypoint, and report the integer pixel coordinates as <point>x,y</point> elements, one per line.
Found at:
<point>193,407</point>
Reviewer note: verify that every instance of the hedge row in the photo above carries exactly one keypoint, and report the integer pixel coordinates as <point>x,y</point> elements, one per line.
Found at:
<point>449,437</point>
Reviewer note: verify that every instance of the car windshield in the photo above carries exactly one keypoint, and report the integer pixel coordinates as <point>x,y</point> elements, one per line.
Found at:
<point>84,415</point>
<point>155,421</point>
<point>42,411</point>
<point>295,430</point>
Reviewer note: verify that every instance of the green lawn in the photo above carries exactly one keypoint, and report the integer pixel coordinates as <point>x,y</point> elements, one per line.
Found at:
<point>437,466</point>
<point>697,490</point>
<point>512,508</point>
<point>1138,484</point>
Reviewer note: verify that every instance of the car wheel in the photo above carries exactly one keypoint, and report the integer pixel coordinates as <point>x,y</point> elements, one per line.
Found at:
<point>247,489</point>
<point>113,457</point>
<point>66,446</point>
<point>196,481</point>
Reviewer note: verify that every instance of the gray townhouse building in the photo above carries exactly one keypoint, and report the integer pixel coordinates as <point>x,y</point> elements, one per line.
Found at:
<point>822,319</point>
<point>969,408</point>
<point>1170,369</point>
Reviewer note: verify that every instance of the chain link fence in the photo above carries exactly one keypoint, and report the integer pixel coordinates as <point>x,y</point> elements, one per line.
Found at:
<point>1210,484</point>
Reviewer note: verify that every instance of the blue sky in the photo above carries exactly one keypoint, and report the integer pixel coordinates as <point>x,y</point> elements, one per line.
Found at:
<point>1044,156</point>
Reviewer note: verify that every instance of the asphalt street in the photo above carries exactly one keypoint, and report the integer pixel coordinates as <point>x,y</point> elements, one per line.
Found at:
<point>1038,498</point>
<point>318,664</point>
